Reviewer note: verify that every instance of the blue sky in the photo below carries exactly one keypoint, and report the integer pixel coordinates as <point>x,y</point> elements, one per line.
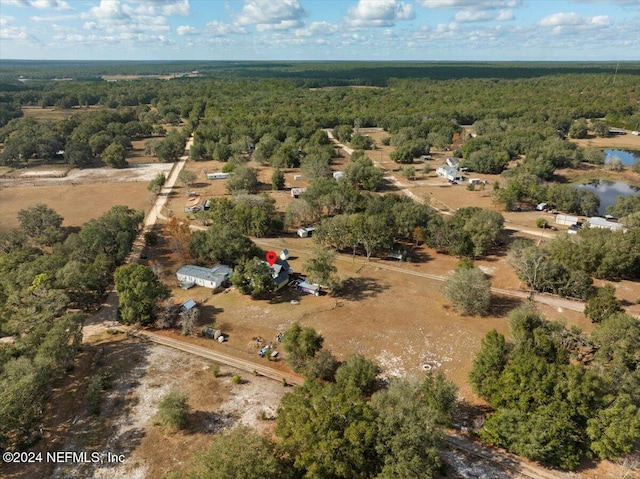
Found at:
<point>320,29</point>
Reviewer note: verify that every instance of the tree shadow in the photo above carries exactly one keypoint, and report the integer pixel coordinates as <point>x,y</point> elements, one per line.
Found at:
<point>356,289</point>
<point>501,306</point>
<point>208,422</point>
<point>285,295</point>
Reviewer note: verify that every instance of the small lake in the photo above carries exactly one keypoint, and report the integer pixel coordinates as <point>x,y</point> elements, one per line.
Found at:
<point>627,157</point>
<point>608,192</point>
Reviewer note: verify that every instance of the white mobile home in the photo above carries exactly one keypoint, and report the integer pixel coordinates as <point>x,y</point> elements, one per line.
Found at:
<point>448,172</point>
<point>213,278</point>
<point>217,176</point>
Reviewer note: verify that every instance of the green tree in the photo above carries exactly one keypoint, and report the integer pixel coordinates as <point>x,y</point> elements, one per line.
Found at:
<point>187,178</point>
<point>301,345</point>
<point>78,152</point>
<point>343,133</point>
<point>254,277</point>
<point>173,410</point>
<point>361,142</point>
<point>357,373</point>
<point>469,291</point>
<point>157,183</point>
<point>362,174</point>
<point>138,289</point>
<point>243,179</point>
<point>41,223</point>
<point>277,179</point>
<point>615,430</point>
<point>240,453</point>
<point>488,365</point>
<point>321,269</point>
<point>115,155</point>
<point>602,304</point>
<point>328,432</point>
<point>222,244</point>
<point>600,128</point>
<point>409,438</point>
<point>578,128</point>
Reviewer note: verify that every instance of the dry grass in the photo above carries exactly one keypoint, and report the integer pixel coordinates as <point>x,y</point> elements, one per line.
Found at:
<point>77,204</point>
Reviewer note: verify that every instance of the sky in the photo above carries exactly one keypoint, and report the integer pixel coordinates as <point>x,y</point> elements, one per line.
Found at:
<point>427,30</point>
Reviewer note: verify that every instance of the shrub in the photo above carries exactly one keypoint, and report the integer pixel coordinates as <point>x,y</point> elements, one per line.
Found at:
<point>542,223</point>
<point>173,411</point>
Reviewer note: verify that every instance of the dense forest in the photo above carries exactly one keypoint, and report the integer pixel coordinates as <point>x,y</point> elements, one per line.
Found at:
<point>571,389</point>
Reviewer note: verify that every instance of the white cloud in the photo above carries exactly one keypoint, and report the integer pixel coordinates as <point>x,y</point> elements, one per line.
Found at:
<point>471,4</point>
<point>40,4</point>
<point>573,19</point>
<point>107,10</point>
<point>505,15</point>
<point>473,16</point>
<point>379,13</point>
<point>317,29</point>
<point>272,15</point>
<point>221,29</point>
<point>168,7</point>
<point>187,30</point>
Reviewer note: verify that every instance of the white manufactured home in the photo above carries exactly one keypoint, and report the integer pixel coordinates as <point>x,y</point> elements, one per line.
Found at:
<point>217,176</point>
<point>213,278</point>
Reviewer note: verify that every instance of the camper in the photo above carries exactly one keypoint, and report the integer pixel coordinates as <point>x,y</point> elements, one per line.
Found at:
<point>217,176</point>
<point>309,288</point>
<point>305,232</point>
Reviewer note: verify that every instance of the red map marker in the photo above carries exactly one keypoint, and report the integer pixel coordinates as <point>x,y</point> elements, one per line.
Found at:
<point>271,257</point>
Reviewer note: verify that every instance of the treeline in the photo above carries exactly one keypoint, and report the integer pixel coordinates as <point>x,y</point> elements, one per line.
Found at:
<point>559,395</point>
<point>566,264</point>
<point>252,106</point>
<point>45,273</point>
<point>84,137</point>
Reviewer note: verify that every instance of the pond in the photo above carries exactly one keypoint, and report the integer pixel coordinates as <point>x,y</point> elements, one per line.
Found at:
<point>627,157</point>
<point>608,192</point>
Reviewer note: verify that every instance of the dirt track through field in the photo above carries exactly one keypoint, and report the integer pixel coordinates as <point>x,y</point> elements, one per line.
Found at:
<point>540,298</point>
<point>226,359</point>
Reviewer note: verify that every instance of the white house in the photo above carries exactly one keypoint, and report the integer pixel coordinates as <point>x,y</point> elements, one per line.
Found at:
<point>597,222</point>
<point>213,278</point>
<point>448,172</point>
<point>452,162</point>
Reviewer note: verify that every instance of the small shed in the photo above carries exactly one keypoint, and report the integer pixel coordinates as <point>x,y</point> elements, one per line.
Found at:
<point>305,232</point>
<point>295,192</point>
<point>567,220</point>
<point>188,305</point>
<point>211,333</point>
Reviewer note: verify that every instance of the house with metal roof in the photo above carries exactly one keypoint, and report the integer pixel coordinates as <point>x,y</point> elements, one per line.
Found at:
<point>214,278</point>
<point>603,223</point>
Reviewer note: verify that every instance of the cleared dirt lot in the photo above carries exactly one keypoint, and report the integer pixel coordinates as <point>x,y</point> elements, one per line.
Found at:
<point>78,194</point>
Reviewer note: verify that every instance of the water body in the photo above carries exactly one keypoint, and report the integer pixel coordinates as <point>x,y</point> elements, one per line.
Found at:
<point>627,157</point>
<point>608,192</point>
